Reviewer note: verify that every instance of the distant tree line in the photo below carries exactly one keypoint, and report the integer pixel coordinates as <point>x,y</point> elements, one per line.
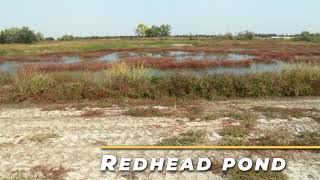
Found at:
<point>28,36</point>
<point>307,36</point>
<point>154,31</point>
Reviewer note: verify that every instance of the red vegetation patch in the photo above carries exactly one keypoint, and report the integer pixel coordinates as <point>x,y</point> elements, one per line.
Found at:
<point>158,63</point>
<point>49,172</point>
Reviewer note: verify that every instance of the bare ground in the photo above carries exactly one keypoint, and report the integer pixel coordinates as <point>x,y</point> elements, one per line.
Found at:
<point>31,137</point>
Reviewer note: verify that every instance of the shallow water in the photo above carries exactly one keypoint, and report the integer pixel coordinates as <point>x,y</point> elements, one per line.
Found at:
<point>254,68</point>
<point>178,55</point>
<point>12,67</point>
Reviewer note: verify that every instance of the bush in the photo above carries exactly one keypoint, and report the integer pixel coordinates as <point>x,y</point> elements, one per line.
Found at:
<point>127,81</point>
<point>49,39</point>
<point>4,79</point>
<point>18,35</point>
<point>300,80</point>
<point>122,80</point>
<point>67,37</point>
<point>31,85</point>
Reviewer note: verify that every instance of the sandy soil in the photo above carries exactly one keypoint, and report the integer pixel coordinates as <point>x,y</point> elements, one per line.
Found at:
<point>76,140</point>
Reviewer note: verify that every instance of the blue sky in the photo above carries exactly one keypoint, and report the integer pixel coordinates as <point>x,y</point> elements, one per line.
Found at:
<point>120,17</point>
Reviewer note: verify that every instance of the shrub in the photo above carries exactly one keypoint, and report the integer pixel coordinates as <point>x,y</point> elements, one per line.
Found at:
<point>300,80</point>
<point>67,37</point>
<point>179,85</point>
<point>4,79</point>
<point>49,39</point>
<point>31,84</point>
<point>134,82</point>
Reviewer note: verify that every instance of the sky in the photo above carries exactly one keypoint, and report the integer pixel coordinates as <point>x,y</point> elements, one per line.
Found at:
<point>120,17</point>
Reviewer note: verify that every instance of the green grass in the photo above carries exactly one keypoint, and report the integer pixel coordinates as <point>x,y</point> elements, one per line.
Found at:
<point>236,174</point>
<point>3,52</point>
<point>85,46</point>
<point>149,112</point>
<point>189,138</point>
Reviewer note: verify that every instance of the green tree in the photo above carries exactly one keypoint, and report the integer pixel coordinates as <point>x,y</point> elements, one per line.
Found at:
<point>165,30</point>
<point>66,37</point>
<point>154,31</point>
<point>246,35</point>
<point>305,36</point>
<point>18,35</point>
<point>141,30</point>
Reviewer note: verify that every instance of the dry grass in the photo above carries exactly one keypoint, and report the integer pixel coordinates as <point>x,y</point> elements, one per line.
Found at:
<point>232,141</point>
<point>18,175</point>
<point>43,137</point>
<point>123,70</point>
<point>234,131</point>
<point>49,172</point>
<point>149,112</point>
<point>307,139</point>
<point>236,135</point>
<point>236,174</point>
<point>209,116</point>
<point>287,113</point>
<point>282,137</point>
<point>278,137</point>
<point>92,113</point>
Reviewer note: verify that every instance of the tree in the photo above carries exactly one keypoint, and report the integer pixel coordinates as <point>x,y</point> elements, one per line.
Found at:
<point>165,30</point>
<point>66,37</point>
<point>228,36</point>
<point>153,31</point>
<point>246,35</point>
<point>305,36</point>
<point>18,35</point>
<point>40,36</point>
<point>141,30</point>
<point>49,39</point>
